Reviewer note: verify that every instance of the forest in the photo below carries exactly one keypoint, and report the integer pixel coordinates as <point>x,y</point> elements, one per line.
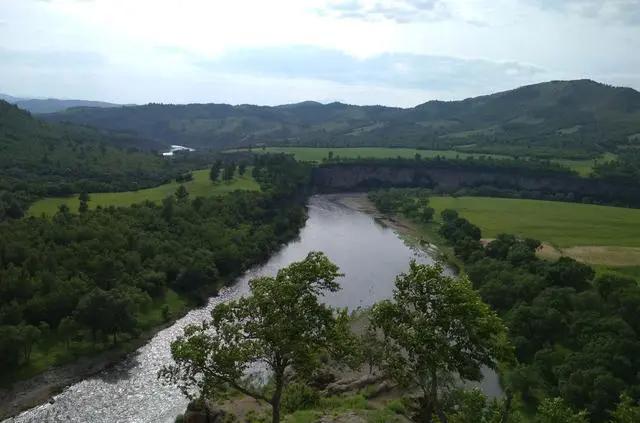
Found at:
<point>82,281</point>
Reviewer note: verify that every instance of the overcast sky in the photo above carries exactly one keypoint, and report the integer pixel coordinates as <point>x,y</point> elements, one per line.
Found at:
<point>394,52</point>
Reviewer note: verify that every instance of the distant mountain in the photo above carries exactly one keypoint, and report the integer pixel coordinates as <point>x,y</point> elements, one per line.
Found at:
<point>571,119</point>
<point>51,105</point>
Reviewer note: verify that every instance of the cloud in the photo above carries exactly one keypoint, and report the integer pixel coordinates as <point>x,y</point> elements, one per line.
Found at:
<point>397,70</point>
<point>399,11</point>
<point>50,59</point>
<point>625,11</point>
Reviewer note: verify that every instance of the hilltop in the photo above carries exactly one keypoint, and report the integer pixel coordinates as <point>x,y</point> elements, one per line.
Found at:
<point>51,105</point>
<point>562,119</point>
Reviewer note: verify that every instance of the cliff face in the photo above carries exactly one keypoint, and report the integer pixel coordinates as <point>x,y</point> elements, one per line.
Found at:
<point>350,177</point>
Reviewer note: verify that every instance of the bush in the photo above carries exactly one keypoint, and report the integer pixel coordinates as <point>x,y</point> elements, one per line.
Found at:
<point>299,396</point>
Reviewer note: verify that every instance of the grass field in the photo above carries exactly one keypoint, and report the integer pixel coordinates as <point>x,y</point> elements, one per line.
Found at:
<point>584,167</point>
<point>317,154</point>
<point>594,234</point>
<point>201,185</point>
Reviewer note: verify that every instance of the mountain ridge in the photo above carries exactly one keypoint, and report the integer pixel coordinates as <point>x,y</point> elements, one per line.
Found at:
<point>570,119</point>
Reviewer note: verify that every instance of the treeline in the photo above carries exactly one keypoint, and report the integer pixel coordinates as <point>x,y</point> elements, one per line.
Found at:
<point>85,277</point>
<point>576,336</point>
<point>483,176</point>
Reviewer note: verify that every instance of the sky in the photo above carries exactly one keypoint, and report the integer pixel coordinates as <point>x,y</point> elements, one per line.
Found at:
<point>392,52</point>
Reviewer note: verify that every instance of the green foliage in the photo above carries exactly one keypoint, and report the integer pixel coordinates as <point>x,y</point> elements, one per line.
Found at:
<point>437,327</point>
<point>574,337</point>
<point>281,324</point>
<point>108,272</point>
<point>299,396</point>
<point>556,411</point>
<point>413,203</point>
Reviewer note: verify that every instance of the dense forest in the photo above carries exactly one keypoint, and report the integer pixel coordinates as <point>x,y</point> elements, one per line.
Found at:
<point>560,119</point>
<point>80,278</point>
<point>576,336</point>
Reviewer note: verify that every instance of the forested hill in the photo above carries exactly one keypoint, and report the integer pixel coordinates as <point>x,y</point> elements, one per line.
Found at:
<point>39,158</point>
<point>571,119</point>
<point>51,105</point>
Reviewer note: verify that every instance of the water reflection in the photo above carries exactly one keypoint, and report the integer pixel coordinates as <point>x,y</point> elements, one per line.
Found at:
<point>368,254</point>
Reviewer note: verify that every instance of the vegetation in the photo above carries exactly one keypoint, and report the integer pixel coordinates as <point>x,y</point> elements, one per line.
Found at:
<point>554,120</point>
<point>575,334</point>
<point>113,272</point>
<point>562,224</point>
<point>281,325</point>
<point>199,186</point>
<point>435,330</point>
<point>39,159</point>
<point>319,154</point>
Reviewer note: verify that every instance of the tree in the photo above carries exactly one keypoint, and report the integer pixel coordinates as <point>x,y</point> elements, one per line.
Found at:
<point>281,325</point>
<point>228,171</point>
<point>84,202</point>
<point>242,168</point>
<point>182,194</point>
<point>67,329</point>
<point>435,328</point>
<point>28,335</point>
<point>557,411</point>
<point>627,411</point>
<point>215,170</point>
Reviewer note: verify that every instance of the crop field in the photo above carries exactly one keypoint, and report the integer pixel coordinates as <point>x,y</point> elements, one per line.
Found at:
<point>201,185</point>
<point>595,234</point>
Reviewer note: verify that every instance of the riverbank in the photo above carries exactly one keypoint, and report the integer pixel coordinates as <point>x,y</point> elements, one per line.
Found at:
<point>42,387</point>
<point>423,237</point>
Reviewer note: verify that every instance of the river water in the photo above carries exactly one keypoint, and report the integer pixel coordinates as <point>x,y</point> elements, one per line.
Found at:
<point>369,255</point>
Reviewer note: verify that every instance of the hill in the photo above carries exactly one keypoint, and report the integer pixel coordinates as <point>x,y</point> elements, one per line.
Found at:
<point>51,105</point>
<point>39,158</point>
<point>560,119</point>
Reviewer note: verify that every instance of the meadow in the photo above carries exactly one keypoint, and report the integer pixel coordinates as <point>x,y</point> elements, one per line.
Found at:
<point>317,154</point>
<point>200,186</point>
<point>591,233</point>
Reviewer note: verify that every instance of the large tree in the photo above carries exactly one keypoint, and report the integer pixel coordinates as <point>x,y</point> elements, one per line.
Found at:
<point>435,330</point>
<point>282,325</point>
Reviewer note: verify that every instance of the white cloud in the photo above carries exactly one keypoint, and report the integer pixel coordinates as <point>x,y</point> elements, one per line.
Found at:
<point>404,51</point>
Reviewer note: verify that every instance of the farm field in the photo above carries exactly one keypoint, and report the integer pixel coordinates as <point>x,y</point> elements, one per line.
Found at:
<point>595,234</point>
<point>317,154</point>
<point>200,186</point>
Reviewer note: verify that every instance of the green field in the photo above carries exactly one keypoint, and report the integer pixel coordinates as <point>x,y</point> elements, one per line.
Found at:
<point>584,167</point>
<point>317,154</point>
<point>201,185</point>
<point>561,224</point>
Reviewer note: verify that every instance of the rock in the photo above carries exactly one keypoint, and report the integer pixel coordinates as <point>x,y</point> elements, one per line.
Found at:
<point>197,412</point>
<point>381,388</point>
<point>349,417</point>
<point>346,385</point>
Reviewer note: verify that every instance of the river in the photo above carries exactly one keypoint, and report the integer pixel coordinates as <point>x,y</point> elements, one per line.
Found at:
<point>369,255</point>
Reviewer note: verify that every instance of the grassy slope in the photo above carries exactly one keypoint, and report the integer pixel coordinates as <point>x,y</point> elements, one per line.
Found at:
<point>201,185</point>
<point>562,224</point>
